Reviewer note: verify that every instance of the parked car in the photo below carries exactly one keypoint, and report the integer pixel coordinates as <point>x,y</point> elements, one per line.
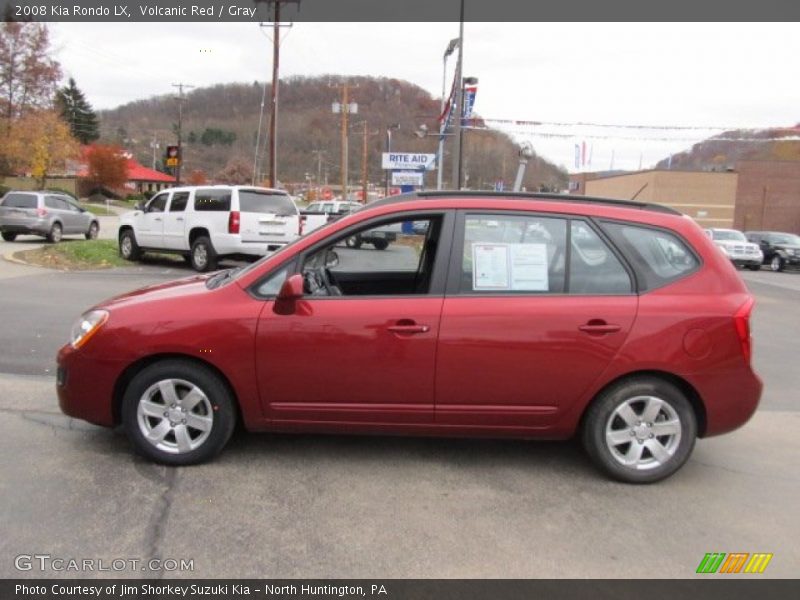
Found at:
<point>532,316</point>
<point>735,246</point>
<point>207,223</point>
<point>781,250</point>
<point>47,214</point>
<point>317,214</point>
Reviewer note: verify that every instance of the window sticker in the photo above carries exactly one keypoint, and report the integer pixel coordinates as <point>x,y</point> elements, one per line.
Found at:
<point>515,267</point>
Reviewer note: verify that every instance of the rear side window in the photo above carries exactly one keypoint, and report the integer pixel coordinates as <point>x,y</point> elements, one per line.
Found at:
<point>20,201</point>
<point>657,256</point>
<point>593,267</point>
<point>212,200</point>
<point>251,201</point>
<point>179,200</point>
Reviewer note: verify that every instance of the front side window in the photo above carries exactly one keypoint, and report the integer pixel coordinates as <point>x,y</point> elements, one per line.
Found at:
<point>509,253</point>
<point>212,200</point>
<point>658,257</point>
<point>379,260</point>
<point>157,204</point>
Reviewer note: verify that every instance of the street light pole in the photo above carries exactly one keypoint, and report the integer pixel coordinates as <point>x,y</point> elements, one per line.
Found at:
<point>458,105</point>
<point>388,151</point>
<point>443,125</point>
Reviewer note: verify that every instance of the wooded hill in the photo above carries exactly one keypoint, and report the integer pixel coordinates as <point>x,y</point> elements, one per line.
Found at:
<point>220,126</point>
<point>723,151</point>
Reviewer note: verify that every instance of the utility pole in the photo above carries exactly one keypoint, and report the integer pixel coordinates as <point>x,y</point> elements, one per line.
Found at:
<point>319,154</point>
<point>181,99</point>
<point>459,105</point>
<point>364,166</point>
<point>154,146</point>
<point>345,108</point>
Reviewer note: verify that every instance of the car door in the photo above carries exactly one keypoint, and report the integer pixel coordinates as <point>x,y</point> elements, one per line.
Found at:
<point>175,237</point>
<point>537,306</point>
<point>78,217</point>
<point>364,353</point>
<point>150,225</point>
<point>60,209</point>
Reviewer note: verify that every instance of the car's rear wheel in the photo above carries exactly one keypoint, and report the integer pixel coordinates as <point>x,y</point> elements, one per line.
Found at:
<point>776,264</point>
<point>128,248</point>
<point>177,412</point>
<point>381,244</point>
<point>55,234</point>
<point>9,237</point>
<point>94,228</point>
<point>203,256</point>
<point>640,430</point>
<point>353,242</point>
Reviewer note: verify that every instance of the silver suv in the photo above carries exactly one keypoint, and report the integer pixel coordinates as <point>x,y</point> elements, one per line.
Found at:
<point>48,214</point>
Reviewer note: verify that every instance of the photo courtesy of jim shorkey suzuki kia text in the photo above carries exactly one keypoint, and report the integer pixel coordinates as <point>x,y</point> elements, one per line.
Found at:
<point>178,590</point>
<point>129,11</point>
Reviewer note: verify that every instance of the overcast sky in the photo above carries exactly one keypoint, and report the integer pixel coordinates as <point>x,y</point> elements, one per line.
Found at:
<point>714,75</point>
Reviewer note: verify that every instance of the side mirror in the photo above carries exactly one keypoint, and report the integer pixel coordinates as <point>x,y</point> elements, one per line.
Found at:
<point>139,205</point>
<point>292,288</point>
<point>290,292</point>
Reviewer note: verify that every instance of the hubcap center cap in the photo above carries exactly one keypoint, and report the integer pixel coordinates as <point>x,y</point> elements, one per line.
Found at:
<point>641,431</point>
<point>175,415</point>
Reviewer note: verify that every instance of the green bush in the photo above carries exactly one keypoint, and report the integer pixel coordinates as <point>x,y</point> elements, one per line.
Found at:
<point>4,189</point>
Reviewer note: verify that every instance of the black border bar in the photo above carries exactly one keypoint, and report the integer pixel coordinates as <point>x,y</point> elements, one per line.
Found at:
<point>401,10</point>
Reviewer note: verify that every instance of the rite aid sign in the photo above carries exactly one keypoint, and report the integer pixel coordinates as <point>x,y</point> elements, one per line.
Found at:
<point>407,161</point>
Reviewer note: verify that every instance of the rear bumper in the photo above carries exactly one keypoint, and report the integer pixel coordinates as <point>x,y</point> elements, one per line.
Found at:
<point>33,227</point>
<point>227,245</point>
<point>732,401</point>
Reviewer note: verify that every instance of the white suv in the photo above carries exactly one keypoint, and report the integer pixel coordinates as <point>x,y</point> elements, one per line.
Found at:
<point>206,223</point>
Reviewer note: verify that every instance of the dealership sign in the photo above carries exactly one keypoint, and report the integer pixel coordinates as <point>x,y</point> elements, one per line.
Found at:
<point>408,161</point>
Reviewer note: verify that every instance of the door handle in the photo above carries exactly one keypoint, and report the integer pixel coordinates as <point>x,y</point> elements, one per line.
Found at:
<point>599,327</point>
<point>157,219</point>
<point>179,219</point>
<point>408,329</point>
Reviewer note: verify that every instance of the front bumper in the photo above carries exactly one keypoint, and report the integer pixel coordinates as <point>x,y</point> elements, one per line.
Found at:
<point>85,385</point>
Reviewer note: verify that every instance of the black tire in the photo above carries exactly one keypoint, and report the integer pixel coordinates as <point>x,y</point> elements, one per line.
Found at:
<point>94,229</point>
<point>776,264</point>
<point>380,244</point>
<point>676,447</point>
<point>203,257</point>
<point>9,237</point>
<point>55,234</point>
<point>128,248</point>
<point>754,267</point>
<point>218,405</point>
<point>353,241</point>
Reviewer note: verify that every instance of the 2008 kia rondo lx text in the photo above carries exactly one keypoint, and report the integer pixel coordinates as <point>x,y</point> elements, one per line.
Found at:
<point>492,315</point>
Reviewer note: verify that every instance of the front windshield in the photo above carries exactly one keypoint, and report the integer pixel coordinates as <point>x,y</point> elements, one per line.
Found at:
<point>787,238</point>
<point>728,235</point>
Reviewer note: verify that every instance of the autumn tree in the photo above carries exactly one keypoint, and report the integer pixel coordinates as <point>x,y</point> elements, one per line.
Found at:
<point>77,112</point>
<point>40,143</point>
<point>236,172</point>
<point>107,166</point>
<point>28,75</point>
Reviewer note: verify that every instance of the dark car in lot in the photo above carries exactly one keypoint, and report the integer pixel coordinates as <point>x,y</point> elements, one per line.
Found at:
<point>48,214</point>
<point>781,250</point>
<point>508,315</point>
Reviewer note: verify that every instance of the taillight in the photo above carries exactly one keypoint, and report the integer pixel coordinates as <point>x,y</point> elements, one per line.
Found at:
<point>301,224</point>
<point>233,222</point>
<point>41,212</point>
<point>742,322</point>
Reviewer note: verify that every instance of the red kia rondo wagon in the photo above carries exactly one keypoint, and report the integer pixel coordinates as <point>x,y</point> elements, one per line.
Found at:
<point>506,315</point>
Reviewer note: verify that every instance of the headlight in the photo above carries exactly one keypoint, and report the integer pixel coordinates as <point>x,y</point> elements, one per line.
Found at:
<point>85,327</point>
<point>789,251</point>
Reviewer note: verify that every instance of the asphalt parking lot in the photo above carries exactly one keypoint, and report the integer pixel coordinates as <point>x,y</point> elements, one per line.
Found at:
<point>346,506</point>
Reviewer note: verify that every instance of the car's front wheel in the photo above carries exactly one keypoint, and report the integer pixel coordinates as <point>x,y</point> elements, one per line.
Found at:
<point>754,267</point>
<point>380,244</point>
<point>203,256</point>
<point>776,264</point>
<point>177,412</point>
<point>9,237</point>
<point>640,430</point>
<point>128,248</point>
<point>353,242</point>
<point>94,228</point>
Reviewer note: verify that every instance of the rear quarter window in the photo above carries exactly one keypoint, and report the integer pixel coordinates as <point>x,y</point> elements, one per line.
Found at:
<point>657,256</point>
<point>19,201</point>
<point>212,200</point>
<point>260,202</point>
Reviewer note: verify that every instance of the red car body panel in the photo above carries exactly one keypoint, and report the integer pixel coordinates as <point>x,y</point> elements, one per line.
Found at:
<point>502,366</point>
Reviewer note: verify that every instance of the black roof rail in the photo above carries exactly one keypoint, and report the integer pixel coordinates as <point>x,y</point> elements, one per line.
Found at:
<point>433,194</point>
